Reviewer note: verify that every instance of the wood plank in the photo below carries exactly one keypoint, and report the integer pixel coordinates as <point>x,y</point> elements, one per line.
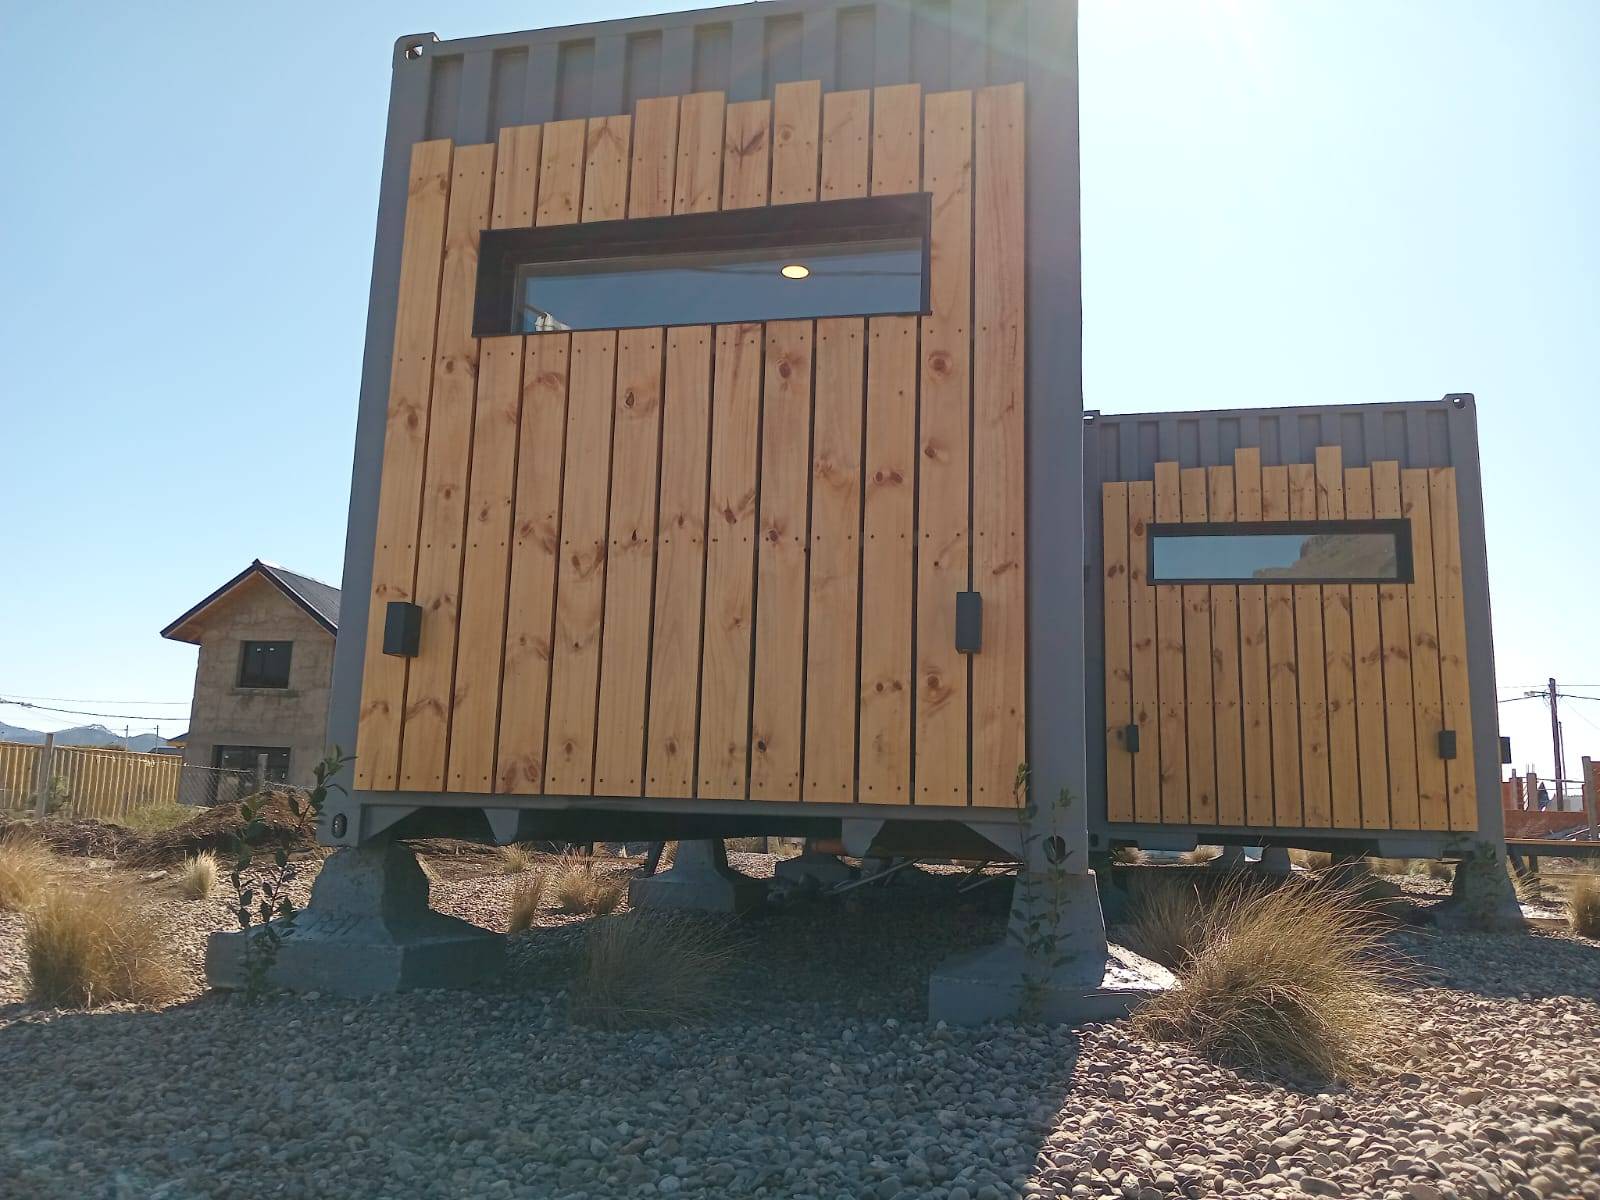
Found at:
<point>1228,710</point>
<point>730,564</point>
<point>430,677</point>
<point>1433,805</point>
<point>747,154</point>
<point>394,555</point>
<point>516,176</point>
<point>777,720</point>
<point>896,141</point>
<point>1288,810</point>
<point>846,143</point>
<point>1339,658</point>
<point>1255,688</point>
<point>700,131</point>
<point>832,644</point>
<point>1394,619</point>
<point>796,141</point>
<point>888,560</point>
<point>630,565</point>
<point>561,171</point>
<point>580,590</point>
<point>535,553</point>
<point>1455,681</point>
<point>655,157</point>
<point>680,563</point>
<point>1199,691</point>
<point>1367,651</point>
<point>605,168</point>
<point>1311,659</point>
<point>999,458</point>
<point>475,701</point>
<point>944,462</point>
<point>1170,664</point>
<point>1119,663</point>
<point>1142,638</point>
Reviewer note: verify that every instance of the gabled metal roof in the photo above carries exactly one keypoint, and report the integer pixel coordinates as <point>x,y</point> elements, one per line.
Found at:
<point>319,600</point>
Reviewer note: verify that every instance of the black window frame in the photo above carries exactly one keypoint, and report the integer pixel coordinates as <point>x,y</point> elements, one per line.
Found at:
<point>501,252</point>
<point>1398,527</point>
<point>244,662</point>
<point>275,774</point>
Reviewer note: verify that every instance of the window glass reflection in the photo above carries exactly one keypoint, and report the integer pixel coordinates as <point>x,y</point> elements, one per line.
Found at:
<point>1314,556</point>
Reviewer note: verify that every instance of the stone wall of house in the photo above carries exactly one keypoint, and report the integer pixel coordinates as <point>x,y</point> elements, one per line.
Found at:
<point>225,714</point>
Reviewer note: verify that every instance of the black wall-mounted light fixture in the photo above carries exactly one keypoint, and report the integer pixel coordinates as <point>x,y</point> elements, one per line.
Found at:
<point>1447,743</point>
<point>1505,752</point>
<point>1130,738</point>
<point>402,629</point>
<point>969,622</point>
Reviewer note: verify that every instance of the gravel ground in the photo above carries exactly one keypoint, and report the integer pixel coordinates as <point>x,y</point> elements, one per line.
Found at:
<point>819,1080</point>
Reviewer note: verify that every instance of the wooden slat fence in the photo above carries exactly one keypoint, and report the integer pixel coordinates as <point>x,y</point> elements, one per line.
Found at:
<point>95,782</point>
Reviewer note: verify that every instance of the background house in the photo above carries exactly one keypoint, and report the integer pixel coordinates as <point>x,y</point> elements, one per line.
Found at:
<point>262,680</point>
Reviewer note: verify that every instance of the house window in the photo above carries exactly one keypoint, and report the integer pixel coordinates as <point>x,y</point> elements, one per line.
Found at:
<point>243,758</point>
<point>792,261</point>
<point>1282,552</point>
<point>264,664</point>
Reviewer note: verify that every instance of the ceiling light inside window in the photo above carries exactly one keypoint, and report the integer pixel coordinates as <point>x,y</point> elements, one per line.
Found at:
<point>795,271</point>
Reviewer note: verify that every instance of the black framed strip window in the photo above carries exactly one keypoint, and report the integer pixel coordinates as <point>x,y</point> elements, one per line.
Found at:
<point>839,258</point>
<point>1281,552</point>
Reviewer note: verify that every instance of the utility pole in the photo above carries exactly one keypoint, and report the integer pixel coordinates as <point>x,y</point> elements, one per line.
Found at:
<point>1555,741</point>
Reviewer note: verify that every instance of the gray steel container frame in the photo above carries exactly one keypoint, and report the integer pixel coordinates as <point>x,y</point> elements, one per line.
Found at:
<point>988,41</point>
<point>1436,433</point>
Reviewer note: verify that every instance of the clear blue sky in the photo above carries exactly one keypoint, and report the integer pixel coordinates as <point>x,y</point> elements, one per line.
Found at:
<point>1284,203</point>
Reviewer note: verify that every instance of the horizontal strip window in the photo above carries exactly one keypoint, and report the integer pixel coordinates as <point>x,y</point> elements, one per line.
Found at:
<point>838,258</point>
<point>1281,552</point>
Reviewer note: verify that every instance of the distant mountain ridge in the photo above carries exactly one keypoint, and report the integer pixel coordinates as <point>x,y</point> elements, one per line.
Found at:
<point>82,735</point>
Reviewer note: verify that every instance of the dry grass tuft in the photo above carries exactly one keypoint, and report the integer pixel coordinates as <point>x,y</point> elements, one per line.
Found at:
<point>1311,860</point>
<point>646,970</point>
<point>96,946</point>
<point>1583,906</point>
<point>197,878</point>
<point>525,901</point>
<point>1285,981</point>
<point>1166,917</point>
<point>1433,868</point>
<point>1389,866</point>
<point>157,818</point>
<point>1129,856</point>
<point>1201,855</point>
<point>516,858</point>
<point>24,872</point>
<point>580,889</point>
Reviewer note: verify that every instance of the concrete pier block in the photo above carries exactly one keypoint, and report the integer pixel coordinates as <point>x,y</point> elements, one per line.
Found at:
<point>1482,896</point>
<point>814,868</point>
<point>367,930</point>
<point>699,879</point>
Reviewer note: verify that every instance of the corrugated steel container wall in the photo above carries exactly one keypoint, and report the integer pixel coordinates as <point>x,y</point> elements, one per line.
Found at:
<point>1437,433</point>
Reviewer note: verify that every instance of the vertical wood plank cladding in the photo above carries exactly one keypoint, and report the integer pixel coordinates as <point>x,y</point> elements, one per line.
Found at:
<point>1225,667</point>
<point>580,590</point>
<point>776,718</point>
<point>747,154</point>
<point>1200,694</point>
<point>535,558</point>
<point>405,439</point>
<point>429,681</point>
<point>561,170</point>
<point>605,169</point>
<point>630,564</point>
<point>1169,665</point>
<point>888,560</point>
<point>730,563</point>
<point>476,699</point>
<point>999,461</point>
<point>1460,784</point>
<point>1339,655</point>
<point>699,174</point>
<point>475,703</point>
<point>831,645</point>
<point>1287,805</point>
<point>896,144</point>
<point>1119,667</point>
<point>1142,638</point>
<point>1395,627</point>
<point>796,137</point>
<point>1367,645</point>
<point>846,143</point>
<point>1254,685</point>
<point>944,462</point>
<point>680,563</point>
<point>655,157</point>
<point>1310,656</point>
<point>1433,806</point>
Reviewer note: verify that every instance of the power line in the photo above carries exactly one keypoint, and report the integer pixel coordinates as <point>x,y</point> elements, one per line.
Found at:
<point>147,718</point>
<point>84,700</point>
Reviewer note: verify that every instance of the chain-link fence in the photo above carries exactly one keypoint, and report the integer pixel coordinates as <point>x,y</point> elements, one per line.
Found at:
<point>206,787</point>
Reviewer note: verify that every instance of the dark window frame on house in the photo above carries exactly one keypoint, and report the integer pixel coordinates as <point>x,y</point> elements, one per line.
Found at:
<point>264,665</point>
<point>1398,529</point>
<point>243,758</point>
